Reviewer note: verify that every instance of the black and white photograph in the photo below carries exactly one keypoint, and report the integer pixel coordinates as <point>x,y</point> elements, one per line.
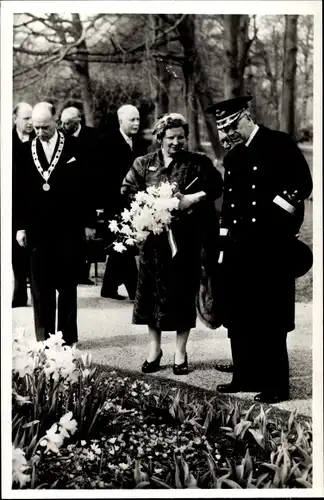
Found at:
<point>161,249</point>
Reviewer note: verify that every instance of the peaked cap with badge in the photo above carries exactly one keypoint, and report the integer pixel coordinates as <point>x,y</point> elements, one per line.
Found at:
<point>228,111</point>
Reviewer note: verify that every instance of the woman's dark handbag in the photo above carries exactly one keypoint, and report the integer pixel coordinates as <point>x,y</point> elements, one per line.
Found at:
<point>301,258</point>
<point>209,298</point>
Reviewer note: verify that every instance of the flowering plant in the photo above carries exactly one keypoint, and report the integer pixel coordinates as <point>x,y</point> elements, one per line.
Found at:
<point>56,359</point>
<point>150,212</point>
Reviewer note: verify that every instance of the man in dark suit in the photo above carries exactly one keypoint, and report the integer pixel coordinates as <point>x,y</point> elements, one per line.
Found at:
<point>52,217</point>
<point>123,147</point>
<point>87,139</point>
<point>21,132</point>
<point>266,182</point>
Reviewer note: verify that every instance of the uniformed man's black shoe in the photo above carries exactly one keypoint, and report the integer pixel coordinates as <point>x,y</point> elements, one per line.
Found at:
<point>224,367</point>
<point>86,282</point>
<point>224,388</point>
<point>114,296</point>
<point>270,398</point>
<point>15,303</point>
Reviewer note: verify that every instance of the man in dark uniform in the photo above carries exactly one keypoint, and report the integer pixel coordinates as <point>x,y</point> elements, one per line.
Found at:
<point>266,182</point>
<point>123,147</point>
<point>52,216</point>
<point>21,132</point>
<point>87,139</point>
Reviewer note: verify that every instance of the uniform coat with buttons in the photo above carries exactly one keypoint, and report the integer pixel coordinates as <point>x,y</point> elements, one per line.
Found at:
<point>258,299</point>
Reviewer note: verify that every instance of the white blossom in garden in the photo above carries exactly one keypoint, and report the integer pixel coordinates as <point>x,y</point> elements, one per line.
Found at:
<point>54,340</point>
<point>53,439</point>
<point>56,359</point>
<point>19,466</point>
<point>68,424</point>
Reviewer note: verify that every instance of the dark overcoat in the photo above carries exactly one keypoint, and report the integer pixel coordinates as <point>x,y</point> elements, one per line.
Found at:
<point>16,149</point>
<point>258,282</point>
<point>54,221</point>
<point>56,217</point>
<point>116,158</point>
<point>167,286</point>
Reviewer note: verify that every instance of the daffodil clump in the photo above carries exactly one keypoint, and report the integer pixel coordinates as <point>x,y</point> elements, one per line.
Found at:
<point>151,212</point>
<point>78,426</point>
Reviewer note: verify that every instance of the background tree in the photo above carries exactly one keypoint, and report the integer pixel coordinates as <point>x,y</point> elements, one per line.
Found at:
<point>287,120</point>
<point>160,63</point>
<point>237,44</point>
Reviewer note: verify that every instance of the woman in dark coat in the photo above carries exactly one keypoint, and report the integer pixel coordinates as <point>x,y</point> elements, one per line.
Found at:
<point>167,285</point>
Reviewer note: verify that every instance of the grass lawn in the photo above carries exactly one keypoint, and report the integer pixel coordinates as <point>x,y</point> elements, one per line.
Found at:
<point>304,285</point>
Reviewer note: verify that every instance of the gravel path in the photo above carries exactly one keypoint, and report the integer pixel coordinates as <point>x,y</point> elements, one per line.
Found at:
<point>106,331</point>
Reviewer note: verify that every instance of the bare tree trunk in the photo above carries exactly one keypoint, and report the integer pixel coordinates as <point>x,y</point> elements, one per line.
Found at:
<point>188,41</point>
<point>232,84</point>
<point>162,73</point>
<point>236,47</point>
<point>191,106</point>
<point>287,120</point>
<point>201,91</point>
<point>307,77</point>
<point>82,68</point>
<point>163,87</point>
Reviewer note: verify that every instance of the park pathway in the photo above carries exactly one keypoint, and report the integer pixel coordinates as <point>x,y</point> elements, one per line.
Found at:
<point>106,331</point>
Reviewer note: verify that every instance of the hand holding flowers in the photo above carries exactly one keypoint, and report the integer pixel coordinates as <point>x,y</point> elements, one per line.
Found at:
<point>151,212</point>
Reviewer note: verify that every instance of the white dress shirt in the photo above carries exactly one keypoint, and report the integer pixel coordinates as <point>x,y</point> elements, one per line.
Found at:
<point>49,146</point>
<point>77,132</point>
<point>254,131</point>
<point>22,137</point>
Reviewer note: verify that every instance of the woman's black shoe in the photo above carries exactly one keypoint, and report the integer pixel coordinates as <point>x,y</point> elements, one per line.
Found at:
<point>181,369</point>
<point>153,366</point>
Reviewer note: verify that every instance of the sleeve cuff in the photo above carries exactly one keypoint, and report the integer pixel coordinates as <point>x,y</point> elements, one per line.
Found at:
<point>281,202</point>
<point>223,231</point>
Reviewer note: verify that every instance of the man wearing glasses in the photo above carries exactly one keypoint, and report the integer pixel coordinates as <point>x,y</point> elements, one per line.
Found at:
<point>266,182</point>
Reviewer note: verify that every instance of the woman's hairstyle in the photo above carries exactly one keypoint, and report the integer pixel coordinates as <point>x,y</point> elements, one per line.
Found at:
<point>170,120</point>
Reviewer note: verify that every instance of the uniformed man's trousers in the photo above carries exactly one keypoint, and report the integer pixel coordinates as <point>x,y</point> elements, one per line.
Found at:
<point>260,360</point>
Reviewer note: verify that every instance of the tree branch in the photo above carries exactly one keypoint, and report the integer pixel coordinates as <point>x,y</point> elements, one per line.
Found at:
<point>143,45</point>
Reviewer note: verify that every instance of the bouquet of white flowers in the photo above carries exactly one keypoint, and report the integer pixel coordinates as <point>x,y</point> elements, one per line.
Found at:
<point>150,212</point>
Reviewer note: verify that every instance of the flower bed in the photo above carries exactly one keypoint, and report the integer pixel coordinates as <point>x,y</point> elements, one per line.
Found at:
<point>78,426</point>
